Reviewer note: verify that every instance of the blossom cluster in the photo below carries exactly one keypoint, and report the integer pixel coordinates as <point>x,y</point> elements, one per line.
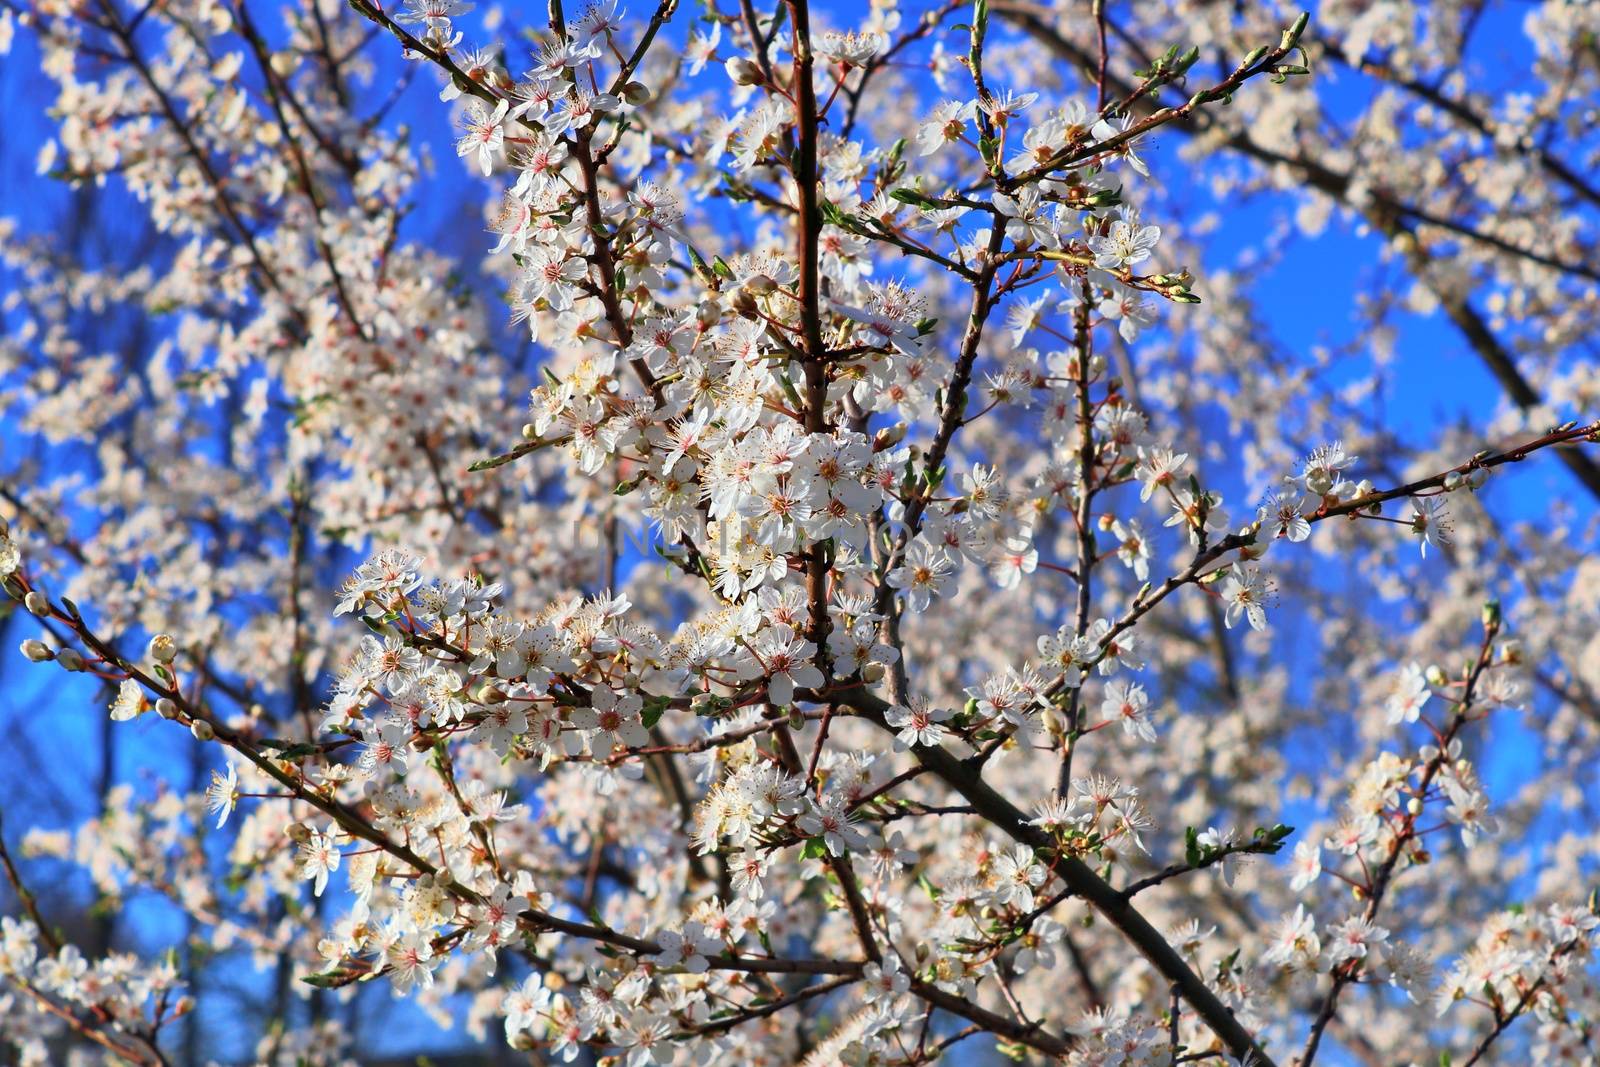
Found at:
<point>854,632</point>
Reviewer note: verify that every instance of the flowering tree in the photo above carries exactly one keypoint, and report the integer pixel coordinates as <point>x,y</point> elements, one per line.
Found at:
<point>844,651</point>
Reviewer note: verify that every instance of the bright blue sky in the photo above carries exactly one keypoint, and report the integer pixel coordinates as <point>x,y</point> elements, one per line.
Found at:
<point>1307,300</point>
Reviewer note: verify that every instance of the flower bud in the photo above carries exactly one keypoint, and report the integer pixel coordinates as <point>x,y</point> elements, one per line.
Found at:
<point>299,833</point>
<point>1509,653</point>
<point>69,659</point>
<point>488,694</point>
<point>166,708</point>
<point>636,93</point>
<point>1414,805</point>
<point>202,730</point>
<point>37,602</point>
<point>37,651</point>
<point>1435,675</point>
<point>761,284</point>
<point>872,672</point>
<point>743,71</point>
<point>1452,481</point>
<point>163,649</point>
<point>1476,477</point>
<point>888,437</point>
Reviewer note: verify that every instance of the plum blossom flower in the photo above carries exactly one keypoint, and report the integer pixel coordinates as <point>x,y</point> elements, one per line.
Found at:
<point>945,125</point>
<point>1125,242</point>
<point>1245,594</point>
<point>319,857</point>
<point>1356,938</point>
<point>1411,692</point>
<point>1430,522</point>
<point>917,725</point>
<point>1017,873</point>
<point>1306,865</point>
<point>483,134</point>
<point>1125,702</point>
<point>926,573</point>
<point>223,794</point>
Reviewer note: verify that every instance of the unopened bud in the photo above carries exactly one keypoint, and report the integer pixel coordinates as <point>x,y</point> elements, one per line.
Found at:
<point>202,730</point>
<point>1256,549</point>
<point>743,71</point>
<point>166,708</point>
<point>488,694</point>
<point>1491,615</point>
<point>530,432</point>
<point>69,659</point>
<point>760,284</point>
<point>163,649</point>
<point>873,672</point>
<point>37,602</point>
<point>1476,477</point>
<point>1435,675</point>
<point>636,93</point>
<point>888,437</point>
<point>1414,805</point>
<point>299,833</point>
<point>1510,653</point>
<point>1452,481</point>
<point>37,651</point>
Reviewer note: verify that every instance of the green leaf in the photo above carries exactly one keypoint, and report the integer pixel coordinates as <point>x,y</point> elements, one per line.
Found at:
<point>327,979</point>
<point>914,198</point>
<point>1191,847</point>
